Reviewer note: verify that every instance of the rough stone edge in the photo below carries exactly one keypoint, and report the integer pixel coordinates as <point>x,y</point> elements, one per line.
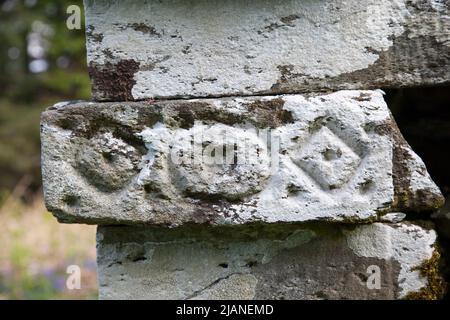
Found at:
<point>431,269</point>
<point>403,196</point>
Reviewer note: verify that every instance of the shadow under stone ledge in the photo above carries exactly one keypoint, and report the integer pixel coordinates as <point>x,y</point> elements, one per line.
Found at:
<point>423,116</point>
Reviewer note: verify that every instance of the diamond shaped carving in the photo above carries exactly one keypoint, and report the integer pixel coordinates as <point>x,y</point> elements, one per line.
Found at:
<point>327,159</point>
<point>320,157</point>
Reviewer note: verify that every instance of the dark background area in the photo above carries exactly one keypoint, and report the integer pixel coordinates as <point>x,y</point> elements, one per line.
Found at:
<point>423,115</point>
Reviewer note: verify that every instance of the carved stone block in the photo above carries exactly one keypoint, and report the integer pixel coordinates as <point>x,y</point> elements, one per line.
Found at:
<point>321,261</point>
<point>290,158</point>
<point>202,48</point>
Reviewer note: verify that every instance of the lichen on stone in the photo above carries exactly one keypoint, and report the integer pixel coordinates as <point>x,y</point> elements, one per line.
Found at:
<point>437,286</point>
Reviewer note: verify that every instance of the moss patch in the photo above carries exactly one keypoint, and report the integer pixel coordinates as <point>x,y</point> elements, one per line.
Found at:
<point>436,287</point>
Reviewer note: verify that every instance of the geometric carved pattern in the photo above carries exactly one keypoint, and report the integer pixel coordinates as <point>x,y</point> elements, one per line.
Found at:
<point>228,160</point>
<point>327,159</point>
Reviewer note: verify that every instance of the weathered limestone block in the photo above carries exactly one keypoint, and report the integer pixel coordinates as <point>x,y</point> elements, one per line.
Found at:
<point>198,48</point>
<point>319,261</point>
<point>287,158</point>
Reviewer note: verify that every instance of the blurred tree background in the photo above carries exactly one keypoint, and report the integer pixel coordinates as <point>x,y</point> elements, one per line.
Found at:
<point>41,62</point>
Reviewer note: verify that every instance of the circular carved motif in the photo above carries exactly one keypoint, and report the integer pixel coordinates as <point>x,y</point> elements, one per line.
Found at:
<point>220,161</point>
<point>107,162</point>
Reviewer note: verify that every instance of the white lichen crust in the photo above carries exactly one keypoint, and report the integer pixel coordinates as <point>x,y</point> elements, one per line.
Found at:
<point>177,48</point>
<point>336,157</point>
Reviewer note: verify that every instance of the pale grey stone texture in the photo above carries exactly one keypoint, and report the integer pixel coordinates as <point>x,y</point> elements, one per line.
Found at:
<point>333,157</point>
<point>202,48</point>
<point>319,261</point>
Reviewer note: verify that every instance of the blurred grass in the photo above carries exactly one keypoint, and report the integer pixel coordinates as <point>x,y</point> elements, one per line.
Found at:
<point>19,143</point>
<point>36,251</point>
<point>25,94</point>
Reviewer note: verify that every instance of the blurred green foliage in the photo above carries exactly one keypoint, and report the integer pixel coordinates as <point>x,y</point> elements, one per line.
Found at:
<point>41,62</point>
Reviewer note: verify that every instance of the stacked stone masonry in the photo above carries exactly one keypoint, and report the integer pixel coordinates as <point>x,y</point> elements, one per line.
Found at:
<point>243,150</point>
<point>337,157</point>
<point>318,261</point>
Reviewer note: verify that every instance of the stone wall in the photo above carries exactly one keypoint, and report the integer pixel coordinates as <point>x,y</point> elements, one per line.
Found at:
<point>222,158</point>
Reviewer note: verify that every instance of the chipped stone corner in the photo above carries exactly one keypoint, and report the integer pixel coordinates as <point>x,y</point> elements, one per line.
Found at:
<point>260,55</point>
<point>337,157</point>
<point>411,179</point>
<point>336,206</point>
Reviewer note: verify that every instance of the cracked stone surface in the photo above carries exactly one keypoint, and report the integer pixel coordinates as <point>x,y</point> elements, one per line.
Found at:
<point>289,158</point>
<point>317,261</point>
<point>442,218</point>
<point>177,48</point>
